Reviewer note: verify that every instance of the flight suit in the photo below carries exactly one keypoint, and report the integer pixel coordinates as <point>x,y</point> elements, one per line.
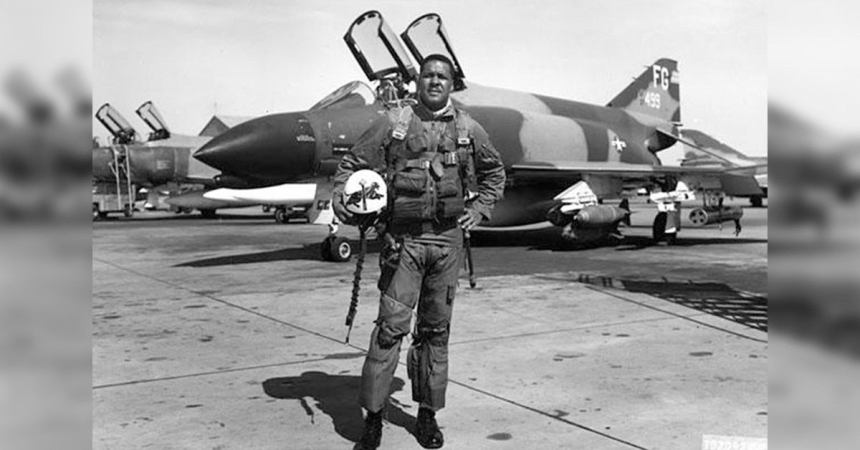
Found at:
<point>429,162</point>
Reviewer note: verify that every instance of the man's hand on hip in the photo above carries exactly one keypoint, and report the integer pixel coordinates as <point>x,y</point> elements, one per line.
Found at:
<point>470,219</point>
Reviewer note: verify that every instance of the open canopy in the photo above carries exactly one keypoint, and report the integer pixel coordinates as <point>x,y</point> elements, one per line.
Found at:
<point>377,49</point>
<point>426,36</point>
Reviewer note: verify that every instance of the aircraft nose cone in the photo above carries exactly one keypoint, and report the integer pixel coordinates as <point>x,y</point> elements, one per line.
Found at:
<point>274,148</point>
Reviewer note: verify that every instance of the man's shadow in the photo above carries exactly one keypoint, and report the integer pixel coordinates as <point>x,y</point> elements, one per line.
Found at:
<point>337,397</point>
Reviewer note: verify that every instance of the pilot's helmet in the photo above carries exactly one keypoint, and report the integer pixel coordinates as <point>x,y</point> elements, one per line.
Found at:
<point>365,192</point>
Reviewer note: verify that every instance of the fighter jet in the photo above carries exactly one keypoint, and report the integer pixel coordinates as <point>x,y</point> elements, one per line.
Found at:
<point>562,157</point>
<point>128,164</point>
<point>713,153</point>
<point>163,163</point>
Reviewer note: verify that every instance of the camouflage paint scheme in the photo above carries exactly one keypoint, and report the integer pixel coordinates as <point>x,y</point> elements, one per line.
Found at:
<point>547,143</point>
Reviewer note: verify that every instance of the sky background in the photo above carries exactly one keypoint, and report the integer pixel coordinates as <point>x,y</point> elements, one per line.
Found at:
<point>196,58</point>
<point>813,68</point>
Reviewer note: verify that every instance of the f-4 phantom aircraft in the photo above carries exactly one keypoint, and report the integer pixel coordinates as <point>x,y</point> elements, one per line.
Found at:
<point>164,162</point>
<point>562,157</point>
<point>713,153</point>
<point>128,164</point>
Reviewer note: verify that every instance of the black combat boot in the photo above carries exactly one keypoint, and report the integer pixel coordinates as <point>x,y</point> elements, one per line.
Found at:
<point>427,430</point>
<point>372,432</point>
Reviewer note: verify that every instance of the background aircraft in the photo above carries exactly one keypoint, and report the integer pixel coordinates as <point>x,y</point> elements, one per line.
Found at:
<point>163,163</point>
<point>713,153</point>
<point>548,144</point>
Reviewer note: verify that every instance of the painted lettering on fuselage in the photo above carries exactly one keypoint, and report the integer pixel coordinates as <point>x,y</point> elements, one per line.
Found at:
<point>650,99</point>
<point>660,77</point>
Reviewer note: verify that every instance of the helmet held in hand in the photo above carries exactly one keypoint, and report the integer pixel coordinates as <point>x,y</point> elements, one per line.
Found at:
<point>365,192</point>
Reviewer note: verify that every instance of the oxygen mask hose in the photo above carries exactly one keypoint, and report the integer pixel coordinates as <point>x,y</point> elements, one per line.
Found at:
<point>356,280</point>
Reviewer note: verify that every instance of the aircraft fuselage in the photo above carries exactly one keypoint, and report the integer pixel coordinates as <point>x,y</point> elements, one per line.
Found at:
<point>289,147</point>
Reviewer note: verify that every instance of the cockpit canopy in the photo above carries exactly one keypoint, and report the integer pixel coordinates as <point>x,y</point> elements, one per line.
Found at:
<point>377,49</point>
<point>427,36</point>
<point>382,56</point>
<point>116,124</point>
<point>350,95</point>
<point>150,115</point>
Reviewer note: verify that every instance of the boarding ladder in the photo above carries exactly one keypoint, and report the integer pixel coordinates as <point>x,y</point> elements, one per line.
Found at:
<point>121,169</point>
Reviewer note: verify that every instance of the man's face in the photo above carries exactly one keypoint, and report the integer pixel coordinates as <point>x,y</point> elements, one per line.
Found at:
<point>434,85</point>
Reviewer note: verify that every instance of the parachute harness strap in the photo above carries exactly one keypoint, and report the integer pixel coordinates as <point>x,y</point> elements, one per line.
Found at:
<point>401,126</point>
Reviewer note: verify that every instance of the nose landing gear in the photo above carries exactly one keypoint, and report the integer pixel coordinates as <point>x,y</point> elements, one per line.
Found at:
<point>336,248</point>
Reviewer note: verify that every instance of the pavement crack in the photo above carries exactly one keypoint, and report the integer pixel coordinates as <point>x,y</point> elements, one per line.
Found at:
<point>556,416</point>
<point>565,330</point>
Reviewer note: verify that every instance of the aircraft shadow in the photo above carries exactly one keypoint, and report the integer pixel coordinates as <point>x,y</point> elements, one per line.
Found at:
<point>550,239</point>
<point>309,252</point>
<point>337,397</point>
<point>718,299</point>
<point>532,239</point>
<point>147,217</point>
<point>641,242</point>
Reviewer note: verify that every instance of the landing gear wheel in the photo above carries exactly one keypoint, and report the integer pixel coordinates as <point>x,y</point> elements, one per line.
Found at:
<point>281,215</point>
<point>208,213</point>
<point>756,201</point>
<point>658,229</point>
<point>336,248</point>
<point>698,217</point>
<point>128,211</point>
<point>96,213</point>
<point>341,249</point>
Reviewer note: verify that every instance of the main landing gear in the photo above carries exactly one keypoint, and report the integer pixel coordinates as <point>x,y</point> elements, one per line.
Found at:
<point>336,248</point>
<point>660,231</point>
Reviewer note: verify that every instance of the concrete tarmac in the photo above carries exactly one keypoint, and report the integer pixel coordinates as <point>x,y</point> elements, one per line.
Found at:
<point>228,333</point>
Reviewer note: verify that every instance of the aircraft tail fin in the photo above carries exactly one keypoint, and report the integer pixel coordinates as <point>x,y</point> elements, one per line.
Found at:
<point>655,92</point>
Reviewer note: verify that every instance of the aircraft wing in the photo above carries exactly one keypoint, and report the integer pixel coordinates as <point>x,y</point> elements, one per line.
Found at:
<point>202,179</point>
<point>608,168</point>
<point>747,168</point>
<point>711,178</point>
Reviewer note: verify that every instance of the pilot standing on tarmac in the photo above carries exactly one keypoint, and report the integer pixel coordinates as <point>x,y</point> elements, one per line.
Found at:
<point>432,156</point>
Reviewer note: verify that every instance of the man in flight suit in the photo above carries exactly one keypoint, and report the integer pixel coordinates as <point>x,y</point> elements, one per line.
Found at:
<point>443,177</point>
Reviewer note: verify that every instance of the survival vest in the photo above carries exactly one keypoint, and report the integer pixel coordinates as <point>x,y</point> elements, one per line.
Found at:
<point>428,184</point>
